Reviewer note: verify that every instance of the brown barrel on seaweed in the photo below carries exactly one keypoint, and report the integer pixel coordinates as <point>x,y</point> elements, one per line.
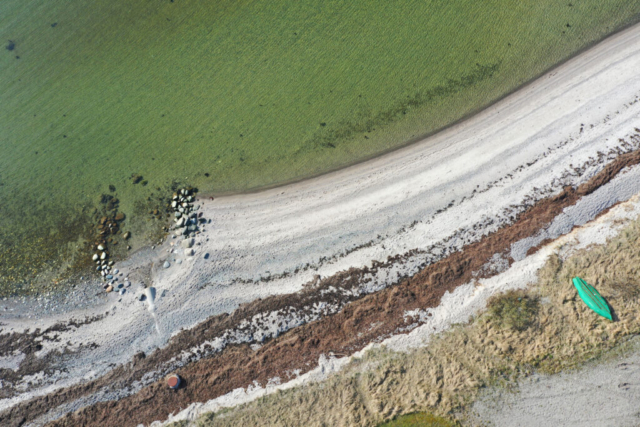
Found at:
<point>173,381</point>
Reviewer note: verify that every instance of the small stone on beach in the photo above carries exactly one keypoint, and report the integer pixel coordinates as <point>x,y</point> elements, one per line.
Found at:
<point>166,264</point>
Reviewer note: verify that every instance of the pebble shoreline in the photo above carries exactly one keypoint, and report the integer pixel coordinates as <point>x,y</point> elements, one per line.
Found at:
<point>187,224</point>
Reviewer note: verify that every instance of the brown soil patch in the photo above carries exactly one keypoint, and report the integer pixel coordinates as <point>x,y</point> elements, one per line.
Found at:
<point>360,322</point>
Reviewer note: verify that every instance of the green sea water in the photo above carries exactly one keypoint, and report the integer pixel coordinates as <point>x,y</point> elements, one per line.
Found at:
<point>235,95</point>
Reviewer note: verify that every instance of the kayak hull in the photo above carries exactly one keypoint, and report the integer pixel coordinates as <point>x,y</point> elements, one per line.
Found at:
<point>592,298</point>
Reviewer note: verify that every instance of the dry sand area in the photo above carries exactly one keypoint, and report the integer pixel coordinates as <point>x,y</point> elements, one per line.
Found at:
<point>301,277</point>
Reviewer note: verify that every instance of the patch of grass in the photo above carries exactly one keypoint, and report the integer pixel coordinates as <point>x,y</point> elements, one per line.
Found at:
<point>514,309</point>
<point>420,419</point>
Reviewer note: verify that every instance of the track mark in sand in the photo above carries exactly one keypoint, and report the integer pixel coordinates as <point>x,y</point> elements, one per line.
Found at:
<point>150,293</point>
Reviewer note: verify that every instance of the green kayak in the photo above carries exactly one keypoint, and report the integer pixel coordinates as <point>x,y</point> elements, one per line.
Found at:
<point>592,298</point>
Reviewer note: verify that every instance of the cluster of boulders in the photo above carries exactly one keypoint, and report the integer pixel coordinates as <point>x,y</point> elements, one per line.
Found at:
<point>188,221</point>
<point>109,225</point>
<point>103,265</point>
<point>111,276</point>
<point>186,217</point>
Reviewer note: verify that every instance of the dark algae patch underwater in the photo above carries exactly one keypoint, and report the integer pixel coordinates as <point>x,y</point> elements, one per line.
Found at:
<point>236,95</point>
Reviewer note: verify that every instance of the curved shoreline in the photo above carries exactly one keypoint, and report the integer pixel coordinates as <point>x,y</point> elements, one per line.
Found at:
<point>415,205</point>
<point>423,137</point>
